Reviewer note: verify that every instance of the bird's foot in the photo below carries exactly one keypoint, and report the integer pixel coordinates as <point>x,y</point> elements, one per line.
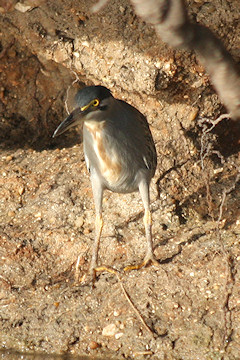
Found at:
<point>90,276</point>
<point>149,259</point>
<point>107,269</point>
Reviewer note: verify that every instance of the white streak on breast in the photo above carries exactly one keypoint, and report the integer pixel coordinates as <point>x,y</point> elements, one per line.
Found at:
<point>110,166</point>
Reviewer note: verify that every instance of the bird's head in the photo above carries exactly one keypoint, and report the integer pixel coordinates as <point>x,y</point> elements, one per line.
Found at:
<point>90,102</point>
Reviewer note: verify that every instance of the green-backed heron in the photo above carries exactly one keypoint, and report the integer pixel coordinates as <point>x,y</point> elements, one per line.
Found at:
<point>119,151</point>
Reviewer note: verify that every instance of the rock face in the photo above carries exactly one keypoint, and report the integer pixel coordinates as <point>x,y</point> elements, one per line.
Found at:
<point>191,303</point>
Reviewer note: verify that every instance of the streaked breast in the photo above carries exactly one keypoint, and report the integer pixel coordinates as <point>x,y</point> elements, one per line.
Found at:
<point>109,164</point>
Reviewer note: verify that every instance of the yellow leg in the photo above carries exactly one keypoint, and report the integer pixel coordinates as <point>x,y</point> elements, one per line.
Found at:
<point>97,189</point>
<point>98,231</point>
<point>91,274</point>
<point>149,257</point>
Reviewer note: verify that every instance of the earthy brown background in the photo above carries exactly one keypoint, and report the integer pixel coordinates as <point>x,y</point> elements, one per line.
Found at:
<point>192,301</point>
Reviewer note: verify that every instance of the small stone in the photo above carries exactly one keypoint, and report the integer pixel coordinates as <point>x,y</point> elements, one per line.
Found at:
<point>193,114</point>
<point>38,215</point>
<point>85,43</point>
<point>22,7</point>
<point>118,335</point>
<point>76,54</point>
<point>21,190</point>
<point>122,9</point>
<point>60,55</point>
<point>109,330</point>
<point>93,345</point>
<point>9,158</point>
<point>86,231</point>
<point>11,213</point>
<point>79,221</point>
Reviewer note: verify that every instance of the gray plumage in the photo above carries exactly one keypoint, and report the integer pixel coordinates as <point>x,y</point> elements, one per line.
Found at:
<point>119,151</point>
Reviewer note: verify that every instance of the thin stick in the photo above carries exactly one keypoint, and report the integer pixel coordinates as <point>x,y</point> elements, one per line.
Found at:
<point>134,308</point>
<point>115,272</point>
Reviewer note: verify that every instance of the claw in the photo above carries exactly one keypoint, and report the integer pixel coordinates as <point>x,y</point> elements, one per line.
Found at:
<point>88,278</point>
<point>146,262</point>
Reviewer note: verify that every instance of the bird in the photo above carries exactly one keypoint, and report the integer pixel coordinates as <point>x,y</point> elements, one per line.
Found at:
<point>120,155</point>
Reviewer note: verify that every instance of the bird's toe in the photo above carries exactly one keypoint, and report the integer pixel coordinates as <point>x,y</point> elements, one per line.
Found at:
<point>148,260</point>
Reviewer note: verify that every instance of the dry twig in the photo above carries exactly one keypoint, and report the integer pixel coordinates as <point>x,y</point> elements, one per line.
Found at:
<point>115,272</point>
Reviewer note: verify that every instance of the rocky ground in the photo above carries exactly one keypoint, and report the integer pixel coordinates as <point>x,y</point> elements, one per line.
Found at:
<point>189,306</point>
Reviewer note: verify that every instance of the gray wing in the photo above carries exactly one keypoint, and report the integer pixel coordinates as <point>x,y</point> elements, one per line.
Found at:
<point>145,140</point>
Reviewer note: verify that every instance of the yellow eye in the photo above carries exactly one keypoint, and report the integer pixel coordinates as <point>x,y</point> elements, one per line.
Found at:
<point>95,102</point>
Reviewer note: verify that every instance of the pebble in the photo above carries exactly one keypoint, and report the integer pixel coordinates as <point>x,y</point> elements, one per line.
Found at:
<point>118,335</point>
<point>11,213</point>
<point>193,114</point>
<point>8,158</point>
<point>79,221</point>
<point>21,190</point>
<point>86,231</point>
<point>38,215</point>
<point>109,330</point>
<point>93,345</point>
<point>22,7</point>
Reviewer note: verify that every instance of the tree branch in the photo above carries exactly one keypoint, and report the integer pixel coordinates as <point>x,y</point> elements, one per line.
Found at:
<point>174,27</point>
<point>172,24</point>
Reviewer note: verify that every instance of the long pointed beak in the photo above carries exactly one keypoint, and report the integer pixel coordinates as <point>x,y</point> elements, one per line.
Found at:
<point>72,120</point>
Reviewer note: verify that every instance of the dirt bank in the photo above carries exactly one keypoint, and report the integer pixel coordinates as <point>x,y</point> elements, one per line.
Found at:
<point>191,303</point>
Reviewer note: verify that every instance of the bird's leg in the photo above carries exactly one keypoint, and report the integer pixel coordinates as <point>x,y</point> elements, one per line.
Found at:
<point>97,190</point>
<point>147,220</point>
<point>94,260</point>
<point>98,231</point>
<point>97,195</point>
<point>149,257</point>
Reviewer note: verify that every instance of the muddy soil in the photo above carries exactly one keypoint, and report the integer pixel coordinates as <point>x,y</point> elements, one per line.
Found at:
<point>188,307</point>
